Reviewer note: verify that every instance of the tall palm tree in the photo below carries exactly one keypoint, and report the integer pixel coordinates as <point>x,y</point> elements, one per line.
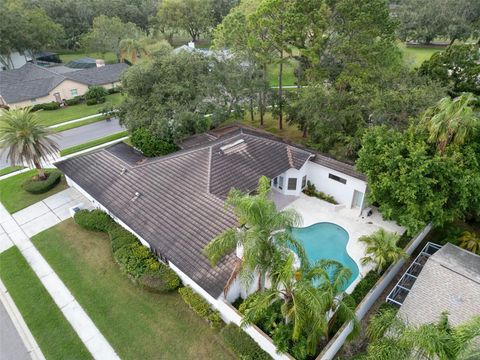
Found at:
<point>382,249</point>
<point>391,338</point>
<point>451,121</point>
<point>309,295</point>
<point>263,232</point>
<point>25,139</point>
<point>470,241</point>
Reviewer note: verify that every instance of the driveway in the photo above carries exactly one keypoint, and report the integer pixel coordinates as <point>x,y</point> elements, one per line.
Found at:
<point>78,136</point>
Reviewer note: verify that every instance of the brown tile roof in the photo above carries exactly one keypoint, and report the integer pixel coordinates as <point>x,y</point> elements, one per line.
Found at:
<point>180,207</point>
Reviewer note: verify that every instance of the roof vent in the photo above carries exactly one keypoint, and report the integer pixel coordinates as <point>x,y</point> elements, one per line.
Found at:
<point>231,145</point>
<point>124,170</point>
<point>137,195</point>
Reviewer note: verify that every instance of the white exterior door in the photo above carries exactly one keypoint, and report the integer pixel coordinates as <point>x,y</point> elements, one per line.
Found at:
<point>357,199</point>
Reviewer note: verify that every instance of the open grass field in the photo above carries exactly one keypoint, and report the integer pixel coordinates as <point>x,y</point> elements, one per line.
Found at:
<point>137,323</point>
<point>288,73</point>
<point>51,330</point>
<point>93,143</point>
<point>14,198</point>
<point>415,56</point>
<point>53,117</point>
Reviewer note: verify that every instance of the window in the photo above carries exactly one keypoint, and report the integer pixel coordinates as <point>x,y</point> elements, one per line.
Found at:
<point>280,182</point>
<point>304,181</point>
<point>337,178</point>
<point>73,92</point>
<point>292,184</point>
<point>275,182</point>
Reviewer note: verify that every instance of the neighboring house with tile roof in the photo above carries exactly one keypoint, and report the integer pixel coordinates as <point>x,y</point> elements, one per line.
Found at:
<point>449,281</point>
<point>33,84</point>
<point>175,203</point>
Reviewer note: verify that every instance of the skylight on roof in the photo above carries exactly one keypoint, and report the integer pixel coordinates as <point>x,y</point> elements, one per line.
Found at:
<point>231,145</point>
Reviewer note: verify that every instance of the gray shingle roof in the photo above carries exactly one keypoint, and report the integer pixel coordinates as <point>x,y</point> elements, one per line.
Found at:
<point>32,81</point>
<point>449,281</point>
<point>180,208</point>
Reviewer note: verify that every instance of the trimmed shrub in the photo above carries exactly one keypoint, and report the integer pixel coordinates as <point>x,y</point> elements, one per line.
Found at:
<point>163,279</point>
<point>114,90</point>
<point>41,186</point>
<point>96,92</point>
<point>310,190</point>
<point>74,101</point>
<point>91,102</point>
<point>133,259</point>
<point>364,286</point>
<point>200,306</point>
<point>51,106</point>
<point>242,344</point>
<point>120,237</point>
<point>94,220</point>
<point>149,145</point>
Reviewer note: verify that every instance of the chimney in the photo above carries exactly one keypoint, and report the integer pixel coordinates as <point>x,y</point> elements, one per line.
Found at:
<point>100,62</point>
<point>191,45</point>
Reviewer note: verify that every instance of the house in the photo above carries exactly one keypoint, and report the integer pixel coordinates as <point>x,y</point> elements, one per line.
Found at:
<point>33,84</point>
<point>449,281</point>
<point>175,204</point>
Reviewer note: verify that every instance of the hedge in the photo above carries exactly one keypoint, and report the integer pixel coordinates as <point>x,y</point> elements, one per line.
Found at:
<point>364,286</point>
<point>136,260</point>
<point>311,190</point>
<point>47,106</point>
<point>41,186</point>
<point>242,344</point>
<point>201,307</point>
<point>91,102</point>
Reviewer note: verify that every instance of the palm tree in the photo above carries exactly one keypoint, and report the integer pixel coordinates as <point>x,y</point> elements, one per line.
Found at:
<point>391,338</point>
<point>451,121</point>
<point>382,249</point>
<point>262,233</point>
<point>309,295</point>
<point>470,241</point>
<point>25,139</point>
<point>134,49</point>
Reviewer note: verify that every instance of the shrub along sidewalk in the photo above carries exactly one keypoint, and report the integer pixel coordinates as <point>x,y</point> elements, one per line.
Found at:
<point>51,330</point>
<point>15,198</point>
<point>138,323</point>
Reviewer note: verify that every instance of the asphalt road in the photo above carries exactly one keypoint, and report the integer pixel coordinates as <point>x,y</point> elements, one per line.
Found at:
<point>11,344</point>
<point>78,136</point>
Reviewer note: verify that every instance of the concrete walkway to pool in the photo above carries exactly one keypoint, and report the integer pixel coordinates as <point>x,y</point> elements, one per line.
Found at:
<point>314,210</point>
<point>17,229</point>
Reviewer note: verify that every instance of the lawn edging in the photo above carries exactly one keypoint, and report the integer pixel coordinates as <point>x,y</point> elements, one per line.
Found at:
<point>93,145</point>
<point>337,341</point>
<point>19,323</point>
<point>49,326</point>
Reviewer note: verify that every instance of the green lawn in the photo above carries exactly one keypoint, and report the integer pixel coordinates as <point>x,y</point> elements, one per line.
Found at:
<point>73,112</point>
<point>109,57</point>
<point>137,323</point>
<point>78,124</point>
<point>51,330</point>
<point>14,198</point>
<point>93,143</point>
<point>9,170</point>
<point>288,73</point>
<point>415,56</point>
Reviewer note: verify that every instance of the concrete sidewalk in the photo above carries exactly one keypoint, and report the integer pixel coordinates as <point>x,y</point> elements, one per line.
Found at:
<point>16,229</point>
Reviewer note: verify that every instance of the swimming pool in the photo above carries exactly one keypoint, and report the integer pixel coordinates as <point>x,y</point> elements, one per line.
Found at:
<point>326,241</point>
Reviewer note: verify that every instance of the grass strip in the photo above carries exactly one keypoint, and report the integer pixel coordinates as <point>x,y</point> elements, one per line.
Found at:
<point>93,143</point>
<point>51,330</point>
<point>77,124</point>
<point>14,198</point>
<point>10,169</point>
<point>73,112</point>
<point>138,324</point>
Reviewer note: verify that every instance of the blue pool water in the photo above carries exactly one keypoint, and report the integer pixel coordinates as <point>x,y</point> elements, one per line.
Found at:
<point>326,241</point>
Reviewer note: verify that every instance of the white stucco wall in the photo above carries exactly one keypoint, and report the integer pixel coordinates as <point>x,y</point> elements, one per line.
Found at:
<point>292,173</point>
<point>343,193</point>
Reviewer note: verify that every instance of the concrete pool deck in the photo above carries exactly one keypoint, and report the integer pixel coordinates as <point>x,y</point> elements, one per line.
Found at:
<point>314,210</point>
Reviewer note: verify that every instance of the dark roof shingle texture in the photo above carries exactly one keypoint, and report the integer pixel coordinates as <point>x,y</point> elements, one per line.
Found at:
<point>180,208</point>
